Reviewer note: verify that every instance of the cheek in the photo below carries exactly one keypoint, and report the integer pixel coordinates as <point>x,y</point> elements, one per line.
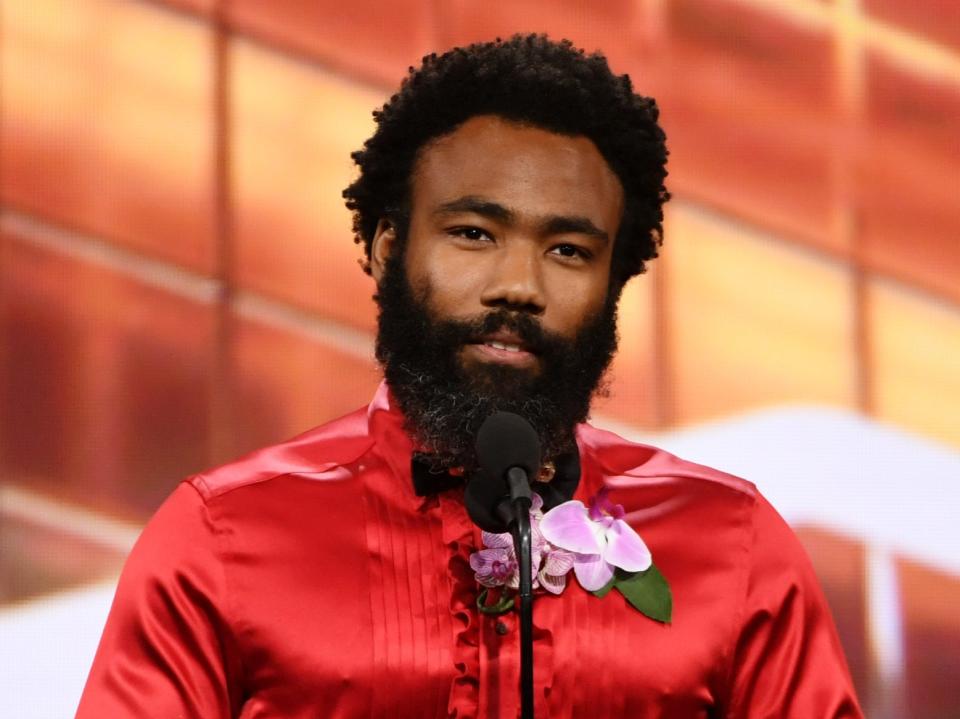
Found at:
<point>574,300</point>
<point>449,281</point>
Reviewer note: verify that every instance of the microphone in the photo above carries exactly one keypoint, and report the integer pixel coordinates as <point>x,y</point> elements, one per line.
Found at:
<point>498,499</point>
<point>508,450</point>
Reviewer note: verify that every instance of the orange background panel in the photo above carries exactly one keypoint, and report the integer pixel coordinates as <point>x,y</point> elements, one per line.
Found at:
<point>915,345</point>
<point>753,323</point>
<point>294,129</point>
<point>203,7</point>
<point>746,95</point>
<point>937,19</point>
<point>634,388</point>
<point>285,381</point>
<point>840,566</point>
<point>369,38</point>
<point>910,178</point>
<point>931,626</point>
<point>612,26</point>
<point>67,560</point>
<point>107,123</point>
<point>92,354</point>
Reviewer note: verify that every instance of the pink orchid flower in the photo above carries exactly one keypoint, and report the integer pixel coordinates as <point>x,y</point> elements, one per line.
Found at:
<point>497,565</point>
<point>556,566</point>
<point>598,537</point>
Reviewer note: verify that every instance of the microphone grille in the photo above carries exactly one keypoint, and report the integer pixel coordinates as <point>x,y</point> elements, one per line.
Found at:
<point>507,440</point>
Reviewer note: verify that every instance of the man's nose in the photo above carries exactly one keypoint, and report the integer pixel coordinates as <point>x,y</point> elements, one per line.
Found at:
<point>516,279</point>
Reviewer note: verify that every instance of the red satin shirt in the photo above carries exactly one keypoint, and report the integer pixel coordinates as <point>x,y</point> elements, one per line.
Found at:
<point>308,580</point>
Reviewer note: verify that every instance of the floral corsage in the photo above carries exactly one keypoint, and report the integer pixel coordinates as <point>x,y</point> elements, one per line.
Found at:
<point>603,551</point>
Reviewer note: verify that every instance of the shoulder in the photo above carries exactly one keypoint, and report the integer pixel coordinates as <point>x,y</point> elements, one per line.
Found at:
<point>319,452</point>
<point>714,511</point>
<point>623,463</point>
<point>689,508</point>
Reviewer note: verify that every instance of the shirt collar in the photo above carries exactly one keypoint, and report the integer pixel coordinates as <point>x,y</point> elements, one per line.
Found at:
<point>385,422</point>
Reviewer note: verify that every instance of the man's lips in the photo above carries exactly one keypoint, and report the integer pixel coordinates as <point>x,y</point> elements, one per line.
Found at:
<point>503,347</point>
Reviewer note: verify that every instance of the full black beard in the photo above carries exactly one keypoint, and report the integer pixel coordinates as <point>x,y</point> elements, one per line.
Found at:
<point>444,402</point>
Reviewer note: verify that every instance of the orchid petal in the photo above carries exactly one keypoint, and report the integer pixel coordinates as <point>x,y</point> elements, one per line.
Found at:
<point>625,548</point>
<point>567,526</point>
<point>488,580</point>
<point>592,571</point>
<point>537,540</point>
<point>553,583</point>
<point>484,558</point>
<point>497,541</point>
<point>558,562</point>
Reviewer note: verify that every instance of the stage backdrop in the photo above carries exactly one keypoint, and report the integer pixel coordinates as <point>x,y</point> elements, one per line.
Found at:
<point>178,283</point>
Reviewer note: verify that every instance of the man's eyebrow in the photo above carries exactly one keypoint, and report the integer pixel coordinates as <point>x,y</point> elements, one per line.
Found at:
<point>553,225</point>
<point>563,225</point>
<point>476,205</point>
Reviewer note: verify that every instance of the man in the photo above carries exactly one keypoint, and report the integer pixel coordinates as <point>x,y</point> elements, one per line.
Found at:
<point>509,192</point>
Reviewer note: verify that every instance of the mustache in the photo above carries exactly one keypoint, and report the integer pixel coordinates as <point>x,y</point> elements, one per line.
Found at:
<point>528,329</point>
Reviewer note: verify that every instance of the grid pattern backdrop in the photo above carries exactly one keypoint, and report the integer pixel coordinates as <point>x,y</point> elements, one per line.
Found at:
<point>178,283</point>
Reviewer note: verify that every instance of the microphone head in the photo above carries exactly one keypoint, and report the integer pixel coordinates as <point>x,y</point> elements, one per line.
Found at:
<point>507,440</point>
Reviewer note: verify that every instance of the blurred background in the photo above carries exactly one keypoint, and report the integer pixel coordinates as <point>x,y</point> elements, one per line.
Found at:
<point>178,283</point>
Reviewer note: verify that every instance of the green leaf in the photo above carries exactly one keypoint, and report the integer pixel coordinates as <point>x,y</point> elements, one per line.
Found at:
<point>647,591</point>
<point>605,589</point>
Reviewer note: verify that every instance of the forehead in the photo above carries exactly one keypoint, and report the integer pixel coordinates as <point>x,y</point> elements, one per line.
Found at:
<point>532,170</point>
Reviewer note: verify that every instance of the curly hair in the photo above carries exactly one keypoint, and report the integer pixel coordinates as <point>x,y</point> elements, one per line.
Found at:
<point>535,81</point>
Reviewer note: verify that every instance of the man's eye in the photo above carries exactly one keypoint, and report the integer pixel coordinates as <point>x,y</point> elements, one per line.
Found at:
<point>571,251</point>
<point>470,233</point>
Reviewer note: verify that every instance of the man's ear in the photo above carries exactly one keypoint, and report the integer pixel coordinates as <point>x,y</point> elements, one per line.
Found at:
<point>383,244</point>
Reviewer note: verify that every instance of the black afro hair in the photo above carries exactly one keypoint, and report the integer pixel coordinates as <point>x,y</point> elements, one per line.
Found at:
<point>532,80</point>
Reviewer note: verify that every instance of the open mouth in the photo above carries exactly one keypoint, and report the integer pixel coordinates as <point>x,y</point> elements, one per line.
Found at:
<point>503,347</point>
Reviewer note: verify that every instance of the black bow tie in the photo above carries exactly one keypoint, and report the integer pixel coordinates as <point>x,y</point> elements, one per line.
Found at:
<point>427,480</point>
<point>560,489</point>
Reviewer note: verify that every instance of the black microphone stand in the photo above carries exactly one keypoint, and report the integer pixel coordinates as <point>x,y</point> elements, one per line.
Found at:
<point>508,448</point>
<point>520,501</point>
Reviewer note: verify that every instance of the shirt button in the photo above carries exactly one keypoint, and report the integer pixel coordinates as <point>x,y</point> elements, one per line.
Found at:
<point>501,628</point>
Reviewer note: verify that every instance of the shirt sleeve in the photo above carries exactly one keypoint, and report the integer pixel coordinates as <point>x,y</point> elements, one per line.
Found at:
<point>166,650</point>
<point>788,661</point>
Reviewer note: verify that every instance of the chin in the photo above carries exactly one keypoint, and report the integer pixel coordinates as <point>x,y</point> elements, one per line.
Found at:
<point>496,379</point>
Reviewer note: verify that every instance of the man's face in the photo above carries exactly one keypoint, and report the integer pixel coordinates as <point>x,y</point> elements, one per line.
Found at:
<point>502,290</point>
